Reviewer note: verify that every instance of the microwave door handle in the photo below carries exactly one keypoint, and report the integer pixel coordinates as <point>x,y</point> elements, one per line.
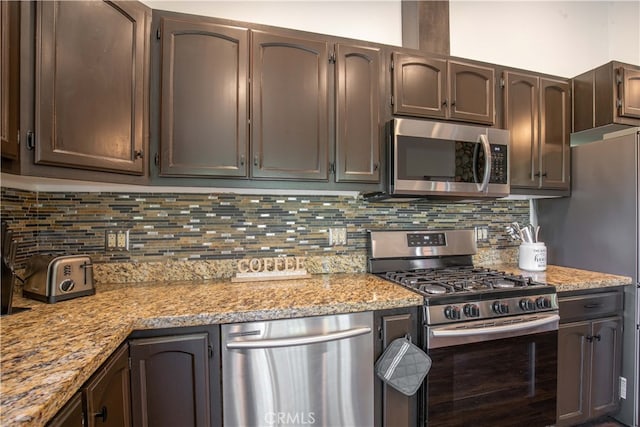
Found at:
<point>487,162</point>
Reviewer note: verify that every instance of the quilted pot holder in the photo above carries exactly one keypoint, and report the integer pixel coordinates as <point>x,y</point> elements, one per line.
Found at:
<point>403,366</point>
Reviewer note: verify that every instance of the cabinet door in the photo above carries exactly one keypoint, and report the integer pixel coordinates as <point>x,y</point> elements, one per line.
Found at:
<point>629,92</point>
<point>605,366</point>
<point>170,381</point>
<point>583,101</point>
<point>574,361</point>
<point>419,86</point>
<point>471,93</point>
<point>289,115</point>
<point>70,415</point>
<point>204,99</point>
<point>357,113</point>
<point>555,125</point>
<point>108,393</point>
<point>91,85</point>
<point>397,408</point>
<point>9,78</point>
<point>521,119</point>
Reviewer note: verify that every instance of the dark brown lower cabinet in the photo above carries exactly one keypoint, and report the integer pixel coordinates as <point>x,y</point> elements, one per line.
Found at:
<point>589,360</point>
<point>107,395</point>
<point>393,408</point>
<point>170,381</point>
<point>71,415</point>
<point>104,401</point>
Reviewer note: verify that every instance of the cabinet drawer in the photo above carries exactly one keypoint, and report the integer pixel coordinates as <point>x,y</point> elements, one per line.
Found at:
<point>590,306</point>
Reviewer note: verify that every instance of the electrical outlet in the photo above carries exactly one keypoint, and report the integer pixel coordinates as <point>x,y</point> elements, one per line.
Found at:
<point>122,241</point>
<point>623,388</point>
<point>110,240</point>
<point>482,233</point>
<point>337,236</point>
<point>116,240</point>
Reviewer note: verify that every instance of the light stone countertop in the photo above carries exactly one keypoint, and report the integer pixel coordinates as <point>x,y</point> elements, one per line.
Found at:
<point>50,351</point>
<point>566,279</point>
<point>47,353</point>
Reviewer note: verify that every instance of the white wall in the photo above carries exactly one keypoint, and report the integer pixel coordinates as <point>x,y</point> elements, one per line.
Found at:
<point>376,21</point>
<point>562,38</point>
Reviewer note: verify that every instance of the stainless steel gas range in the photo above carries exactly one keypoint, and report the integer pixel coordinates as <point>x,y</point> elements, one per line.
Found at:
<point>491,335</point>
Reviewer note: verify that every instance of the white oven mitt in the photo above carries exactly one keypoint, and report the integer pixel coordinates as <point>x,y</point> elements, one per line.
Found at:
<point>403,366</point>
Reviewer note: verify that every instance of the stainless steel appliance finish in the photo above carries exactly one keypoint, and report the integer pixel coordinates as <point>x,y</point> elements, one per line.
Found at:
<point>490,334</point>
<point>57,278</point>
<point>309,371</point>
<point>430,159</point>
<point>598,228</point>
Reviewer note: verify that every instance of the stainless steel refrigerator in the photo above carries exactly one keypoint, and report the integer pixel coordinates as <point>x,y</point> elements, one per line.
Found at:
<point>598,229</point>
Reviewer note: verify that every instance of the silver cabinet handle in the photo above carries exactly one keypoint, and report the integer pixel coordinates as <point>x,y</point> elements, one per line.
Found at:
<point>487,162</point>
<point>294,341</point>
<point>497,329</point>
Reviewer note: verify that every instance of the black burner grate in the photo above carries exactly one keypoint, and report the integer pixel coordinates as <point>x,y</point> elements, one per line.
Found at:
<point>432,282</point>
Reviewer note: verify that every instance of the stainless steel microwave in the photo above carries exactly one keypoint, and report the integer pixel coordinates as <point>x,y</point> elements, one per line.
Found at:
<point>428,159</point>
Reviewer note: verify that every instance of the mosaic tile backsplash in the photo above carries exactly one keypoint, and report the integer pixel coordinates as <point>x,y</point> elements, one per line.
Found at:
<point>221,228</point>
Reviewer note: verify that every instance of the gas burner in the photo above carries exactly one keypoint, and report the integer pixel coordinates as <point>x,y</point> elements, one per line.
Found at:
<point>469,285</point>
<point>502,284</point>
<point>433,289</point>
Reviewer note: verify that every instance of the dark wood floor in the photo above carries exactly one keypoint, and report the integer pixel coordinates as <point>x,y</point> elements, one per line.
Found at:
<point>602,422</point>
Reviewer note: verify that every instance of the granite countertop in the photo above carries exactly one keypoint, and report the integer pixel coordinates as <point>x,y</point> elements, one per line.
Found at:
<point>567,279</point>
<point>49,351</point>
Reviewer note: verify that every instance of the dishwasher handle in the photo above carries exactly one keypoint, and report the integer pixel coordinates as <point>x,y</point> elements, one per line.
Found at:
<point>295,341</point>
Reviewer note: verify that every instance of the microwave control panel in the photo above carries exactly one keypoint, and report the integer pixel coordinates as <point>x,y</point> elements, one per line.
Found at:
<point>499,160</point>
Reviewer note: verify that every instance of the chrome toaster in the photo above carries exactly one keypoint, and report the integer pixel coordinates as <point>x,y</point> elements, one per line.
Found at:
<point>57,278</point>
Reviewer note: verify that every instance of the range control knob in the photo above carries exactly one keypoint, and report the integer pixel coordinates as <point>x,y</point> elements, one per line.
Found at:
<point>452,312</point>
<point>527,304</point>
<point>500,307</point>
<point>471,310</point>
<point>67,285</point>
<point>543,302</point>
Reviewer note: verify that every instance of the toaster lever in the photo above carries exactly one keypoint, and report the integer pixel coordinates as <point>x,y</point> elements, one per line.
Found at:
<point>84,266</point>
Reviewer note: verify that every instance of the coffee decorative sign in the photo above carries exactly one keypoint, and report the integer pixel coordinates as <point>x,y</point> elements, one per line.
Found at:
<point>276,268</point>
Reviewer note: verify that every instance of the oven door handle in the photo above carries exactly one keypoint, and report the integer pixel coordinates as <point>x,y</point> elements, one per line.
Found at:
<point>513,327</point>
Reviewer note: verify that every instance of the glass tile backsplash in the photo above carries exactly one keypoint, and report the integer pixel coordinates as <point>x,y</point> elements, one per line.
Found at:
<point>179,227</point>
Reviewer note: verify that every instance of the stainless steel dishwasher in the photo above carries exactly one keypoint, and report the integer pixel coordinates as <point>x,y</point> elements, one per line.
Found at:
<point>299,372</point>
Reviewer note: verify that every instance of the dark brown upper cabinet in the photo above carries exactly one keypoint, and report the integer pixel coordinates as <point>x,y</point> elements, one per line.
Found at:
<point>438,88</point>
<point>91,85</point>
<point>555,130</point>
<point>358,80</point>
<point>537,114</point>
<point>9,78</point>
<point>471,93</point>
<point>522,118</point>
<point>609,94</point>
<point>629,89</point>
<point>170,381</point>
<point>419,86</point>
<point>290,127</point>
<point>204,108</point>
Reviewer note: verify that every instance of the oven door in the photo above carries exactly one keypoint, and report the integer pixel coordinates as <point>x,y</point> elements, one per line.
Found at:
<point>501,378</point>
